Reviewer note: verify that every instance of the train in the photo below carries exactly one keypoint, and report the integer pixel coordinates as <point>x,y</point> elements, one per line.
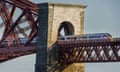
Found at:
<point>69,37</point>
<point>22,42</point>
<point>87,36</point>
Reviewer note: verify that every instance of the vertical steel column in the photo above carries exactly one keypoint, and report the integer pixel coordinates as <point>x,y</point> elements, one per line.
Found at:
<point>41,56</point>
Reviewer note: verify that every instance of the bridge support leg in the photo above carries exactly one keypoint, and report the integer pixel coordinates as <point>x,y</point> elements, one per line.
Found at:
<point>41,50</point>
<point>41,57</point>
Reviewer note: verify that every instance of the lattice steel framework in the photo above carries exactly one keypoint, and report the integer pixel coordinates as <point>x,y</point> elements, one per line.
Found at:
<point>18,19</point>
<point>27,12</point>
<point>94,50</point>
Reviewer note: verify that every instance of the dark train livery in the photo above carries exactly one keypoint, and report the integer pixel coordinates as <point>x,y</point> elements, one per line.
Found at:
<point>76,37</point>
<point>22,41</point>
<point>87,36</point>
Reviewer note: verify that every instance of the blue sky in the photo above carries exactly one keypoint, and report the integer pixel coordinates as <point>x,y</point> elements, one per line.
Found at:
<point>103,16</point>
<point>100,16</point>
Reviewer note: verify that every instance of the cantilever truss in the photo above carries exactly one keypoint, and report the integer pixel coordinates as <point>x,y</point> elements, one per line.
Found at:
<point>19,18</point>
<point>95,50</point>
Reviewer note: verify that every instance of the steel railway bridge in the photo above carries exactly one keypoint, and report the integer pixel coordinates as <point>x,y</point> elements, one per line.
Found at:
<point>19,23</point>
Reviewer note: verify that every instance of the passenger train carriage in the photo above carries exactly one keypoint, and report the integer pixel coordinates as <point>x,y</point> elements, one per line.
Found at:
<point>87,36</point>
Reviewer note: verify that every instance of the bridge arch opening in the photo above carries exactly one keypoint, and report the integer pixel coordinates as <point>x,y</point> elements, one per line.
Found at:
<point>66,28</point>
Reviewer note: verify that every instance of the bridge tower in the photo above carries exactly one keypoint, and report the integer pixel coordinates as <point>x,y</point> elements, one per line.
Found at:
<point>55,20</point>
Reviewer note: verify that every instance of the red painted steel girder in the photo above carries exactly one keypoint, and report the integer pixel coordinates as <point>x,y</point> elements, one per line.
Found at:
<point>18,18</point>
<point>25,11</point>
<point>95,50</point>
<point>13,52</point>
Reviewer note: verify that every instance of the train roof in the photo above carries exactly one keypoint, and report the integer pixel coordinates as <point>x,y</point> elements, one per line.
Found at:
<point>94,35</point>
